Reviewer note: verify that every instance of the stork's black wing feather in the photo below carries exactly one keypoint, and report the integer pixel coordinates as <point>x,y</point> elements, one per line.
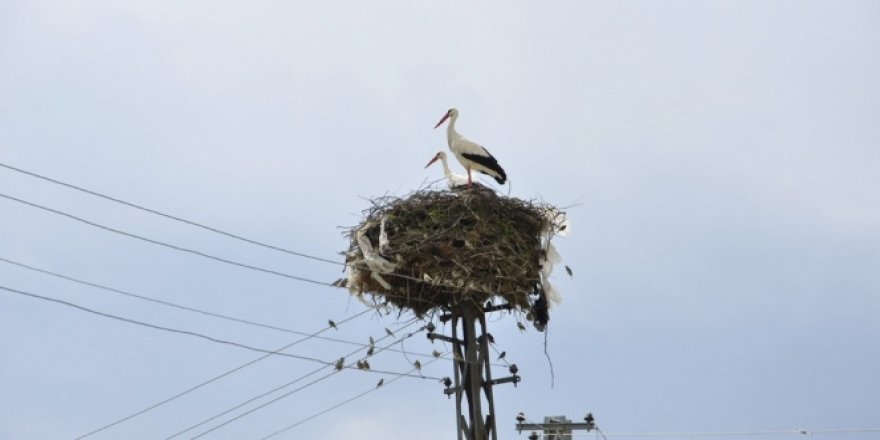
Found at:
<point>489,162</point>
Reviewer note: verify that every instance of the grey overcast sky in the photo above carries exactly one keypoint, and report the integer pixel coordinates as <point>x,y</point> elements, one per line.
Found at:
<point>722,158</point>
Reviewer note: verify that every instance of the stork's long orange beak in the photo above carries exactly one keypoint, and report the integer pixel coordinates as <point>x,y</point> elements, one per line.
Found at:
<point>445,117</point>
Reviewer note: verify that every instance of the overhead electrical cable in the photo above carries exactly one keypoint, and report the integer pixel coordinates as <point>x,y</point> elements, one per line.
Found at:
<point>168,245</point>
<point>191,333</point>
<point>800,432</point>
<point>192,223</point>
<point>200,253</point>
<point>202,384</point>
<point>555,426</point>
<point>159,327</point>
<point>162,302</point>
<point>168,216</point>
<point>192,309</point>
<point>344,402</point>
<point>217,377</point>
<point>289,393</point>
<point>213,314</point>
<point>268,353</point>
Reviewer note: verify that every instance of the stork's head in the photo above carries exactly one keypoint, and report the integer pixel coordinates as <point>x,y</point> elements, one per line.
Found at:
<point>440,155</point>
<point>451,113</point>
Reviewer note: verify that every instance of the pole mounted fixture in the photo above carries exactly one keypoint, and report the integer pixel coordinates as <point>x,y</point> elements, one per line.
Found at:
<point>557,427</point>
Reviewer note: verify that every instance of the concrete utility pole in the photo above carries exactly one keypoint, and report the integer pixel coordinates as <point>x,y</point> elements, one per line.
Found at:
<point>473,373</point>
<point>558,427</point>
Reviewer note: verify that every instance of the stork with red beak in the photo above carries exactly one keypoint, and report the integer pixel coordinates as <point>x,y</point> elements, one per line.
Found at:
<point>452,179</point>
<point>471,155</point>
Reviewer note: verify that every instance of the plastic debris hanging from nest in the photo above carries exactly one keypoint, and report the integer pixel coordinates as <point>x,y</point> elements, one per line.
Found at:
<point>436,249</point>
<point>557,224</point>
<point>373,260</point>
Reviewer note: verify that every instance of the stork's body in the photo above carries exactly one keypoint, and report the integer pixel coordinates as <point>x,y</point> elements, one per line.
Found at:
<point>470,154</point>
<point>452,179</point>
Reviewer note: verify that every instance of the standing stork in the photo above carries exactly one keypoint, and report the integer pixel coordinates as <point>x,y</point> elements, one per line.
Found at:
<point>471,155</point>
<point>452,179</point>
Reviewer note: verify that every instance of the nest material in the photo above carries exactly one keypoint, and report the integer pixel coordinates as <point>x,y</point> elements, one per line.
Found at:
<point>437,249</point>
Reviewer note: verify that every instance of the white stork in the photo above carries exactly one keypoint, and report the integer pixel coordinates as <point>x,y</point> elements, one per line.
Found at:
<point>471,155</point>
<point>452,179</point>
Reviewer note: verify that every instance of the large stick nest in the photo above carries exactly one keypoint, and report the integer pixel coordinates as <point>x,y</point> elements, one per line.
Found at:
<point>441,248</point>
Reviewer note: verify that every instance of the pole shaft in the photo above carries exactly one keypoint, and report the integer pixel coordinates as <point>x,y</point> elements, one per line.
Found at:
<point>474,381</point>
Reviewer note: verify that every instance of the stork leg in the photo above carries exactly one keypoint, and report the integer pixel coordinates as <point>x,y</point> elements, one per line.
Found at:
<point>469,178</point>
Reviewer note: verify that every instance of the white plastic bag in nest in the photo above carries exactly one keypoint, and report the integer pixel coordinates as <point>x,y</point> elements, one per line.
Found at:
<point>551,260</point>
<point>375,262</point>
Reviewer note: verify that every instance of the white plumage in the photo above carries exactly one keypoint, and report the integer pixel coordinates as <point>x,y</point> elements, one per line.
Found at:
<point>472,156</point>
<point>452,179</point>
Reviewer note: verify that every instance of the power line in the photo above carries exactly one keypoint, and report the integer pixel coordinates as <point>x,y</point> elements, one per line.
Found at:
<point>215,378</point>
<point>287,394</point>
<point>797,431</point>
<point>268,353</point>
<point>557,426</point>
<point>159,301</point>
<point>233,408</point>
<point>203,254</point>
<point>187,332</point>
<point>168,216</point>
<point>162,243</point>
<point>159,327</point>
<point>346,401</point>
<point>199,311</point>
<point>192,223</point>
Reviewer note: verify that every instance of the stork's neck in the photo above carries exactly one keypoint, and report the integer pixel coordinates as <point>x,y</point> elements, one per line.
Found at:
<point>451,134</point>
<point>446,171</point>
